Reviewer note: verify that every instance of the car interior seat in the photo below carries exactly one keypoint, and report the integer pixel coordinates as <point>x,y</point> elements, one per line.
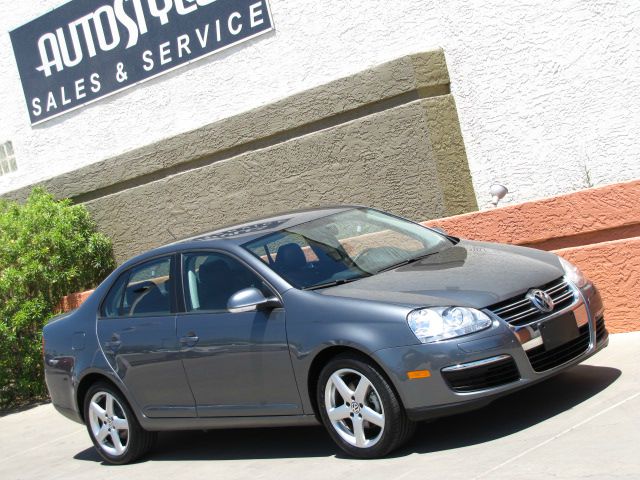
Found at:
<point>291,261</point>
<point>215,285</point>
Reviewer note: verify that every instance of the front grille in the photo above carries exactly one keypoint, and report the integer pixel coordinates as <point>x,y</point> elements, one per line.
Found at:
<point>520,311</point>
<point>490,375</point>
<point>601,330</point>
<point>542,359</point>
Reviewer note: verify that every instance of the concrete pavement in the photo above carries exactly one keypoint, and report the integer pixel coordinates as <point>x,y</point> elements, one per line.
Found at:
<point>584,423</point>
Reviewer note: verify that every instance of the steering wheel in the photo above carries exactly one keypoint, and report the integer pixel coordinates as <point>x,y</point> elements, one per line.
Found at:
<point>369,258</point>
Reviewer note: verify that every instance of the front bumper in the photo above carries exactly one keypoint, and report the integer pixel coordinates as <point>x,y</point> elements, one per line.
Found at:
<point>471,371</point>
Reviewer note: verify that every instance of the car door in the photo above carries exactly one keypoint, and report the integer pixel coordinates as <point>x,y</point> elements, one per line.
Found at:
<point>137,333</point>
<point>237,364</point>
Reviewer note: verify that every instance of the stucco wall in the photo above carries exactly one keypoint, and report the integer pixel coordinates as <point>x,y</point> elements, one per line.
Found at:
<point>356,162</point>
<point>615,268</point>
<point>548,93</point>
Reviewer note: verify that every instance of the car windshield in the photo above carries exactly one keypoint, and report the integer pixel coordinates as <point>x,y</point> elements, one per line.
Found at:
<point>344,247</point>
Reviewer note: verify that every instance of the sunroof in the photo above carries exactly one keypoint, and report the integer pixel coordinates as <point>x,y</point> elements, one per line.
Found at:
<point>243,230</point>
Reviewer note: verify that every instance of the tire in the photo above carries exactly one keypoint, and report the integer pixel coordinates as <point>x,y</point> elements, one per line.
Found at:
<point>114,429</point>
<point>371,421</point>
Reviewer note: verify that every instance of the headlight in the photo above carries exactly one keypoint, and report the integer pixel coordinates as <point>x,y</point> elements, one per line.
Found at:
<point>439,323</point>
<point>573,273</point>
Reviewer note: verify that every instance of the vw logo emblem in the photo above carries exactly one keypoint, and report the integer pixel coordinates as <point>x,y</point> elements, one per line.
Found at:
<point>541,300</point>
<point>355,407</point>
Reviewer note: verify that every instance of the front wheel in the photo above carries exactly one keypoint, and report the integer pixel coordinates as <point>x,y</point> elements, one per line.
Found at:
<point>359,408</point>
<point>113,428</point>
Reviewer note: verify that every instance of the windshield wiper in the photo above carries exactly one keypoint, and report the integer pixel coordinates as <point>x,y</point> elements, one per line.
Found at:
<point>406,262</point>
<point>333,283</point>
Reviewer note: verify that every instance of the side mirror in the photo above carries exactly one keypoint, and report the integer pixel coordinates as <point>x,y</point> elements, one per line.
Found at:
<point>250,300</point>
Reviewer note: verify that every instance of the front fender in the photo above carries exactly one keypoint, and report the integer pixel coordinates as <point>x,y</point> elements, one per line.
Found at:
<point>317,322</point>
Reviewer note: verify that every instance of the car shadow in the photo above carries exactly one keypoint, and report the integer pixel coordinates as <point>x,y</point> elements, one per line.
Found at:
<point>503,417</point>
<point>513,413</point>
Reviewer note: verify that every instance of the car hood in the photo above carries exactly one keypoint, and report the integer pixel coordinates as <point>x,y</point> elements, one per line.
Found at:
<point>471,274</point>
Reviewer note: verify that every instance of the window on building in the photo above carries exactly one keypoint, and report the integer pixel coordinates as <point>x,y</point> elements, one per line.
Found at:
<point>7,159</point>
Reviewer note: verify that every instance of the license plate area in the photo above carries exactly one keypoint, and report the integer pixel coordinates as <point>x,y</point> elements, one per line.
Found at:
<point>558,331</point>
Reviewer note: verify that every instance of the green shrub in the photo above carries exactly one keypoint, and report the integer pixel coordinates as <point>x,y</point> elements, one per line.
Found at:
<point>48,249</point>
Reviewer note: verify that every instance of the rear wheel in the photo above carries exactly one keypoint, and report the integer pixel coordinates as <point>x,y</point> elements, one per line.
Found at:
<point>113,428</point>
<point>359,408</point>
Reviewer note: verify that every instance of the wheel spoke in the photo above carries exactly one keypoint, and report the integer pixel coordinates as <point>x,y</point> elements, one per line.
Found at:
<point>358,431</point>
<point>372,416</point>
<point>361,389</point>
<point>345,391</point>
<point>98,411</point>
<point>358,402</point>
<point>120,423</point>
<point>117,443</point>
<point>108,423</point>
<point>109,405</point>
<point>102,433</point>
<point>338,413</point>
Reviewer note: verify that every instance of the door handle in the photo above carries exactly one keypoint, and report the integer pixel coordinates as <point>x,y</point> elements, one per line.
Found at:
<point>189,340</point>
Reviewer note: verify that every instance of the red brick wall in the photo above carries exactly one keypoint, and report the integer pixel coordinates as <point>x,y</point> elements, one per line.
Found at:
<point>73,301</point>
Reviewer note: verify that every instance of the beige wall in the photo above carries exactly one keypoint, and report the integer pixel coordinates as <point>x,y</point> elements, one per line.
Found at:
<point>387,137</point>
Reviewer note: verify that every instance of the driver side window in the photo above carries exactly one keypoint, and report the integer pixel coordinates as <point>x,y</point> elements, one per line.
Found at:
<point>210,279</point>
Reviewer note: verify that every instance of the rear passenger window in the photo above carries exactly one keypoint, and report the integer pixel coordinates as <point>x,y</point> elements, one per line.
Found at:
<point>144,291</point>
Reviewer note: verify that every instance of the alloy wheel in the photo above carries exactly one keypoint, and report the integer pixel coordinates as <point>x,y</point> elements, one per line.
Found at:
<point>354,408</point>
<point>109,424</point>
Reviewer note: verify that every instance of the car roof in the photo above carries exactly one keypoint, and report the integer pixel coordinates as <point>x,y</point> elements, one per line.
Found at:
<point>243,232</point>
<point>259,227</point>
<point>237,234</point>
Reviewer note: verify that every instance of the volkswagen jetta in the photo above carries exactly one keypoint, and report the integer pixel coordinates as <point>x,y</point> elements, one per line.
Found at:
<point>347,316</point>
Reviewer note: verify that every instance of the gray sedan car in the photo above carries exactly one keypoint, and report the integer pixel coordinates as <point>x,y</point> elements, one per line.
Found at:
<point>348,316</point>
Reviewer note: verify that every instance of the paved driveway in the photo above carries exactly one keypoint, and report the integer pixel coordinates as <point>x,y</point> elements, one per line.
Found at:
<point>584,423</point>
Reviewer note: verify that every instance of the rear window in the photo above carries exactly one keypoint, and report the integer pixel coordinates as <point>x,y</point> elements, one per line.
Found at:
<point>142,291</point>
